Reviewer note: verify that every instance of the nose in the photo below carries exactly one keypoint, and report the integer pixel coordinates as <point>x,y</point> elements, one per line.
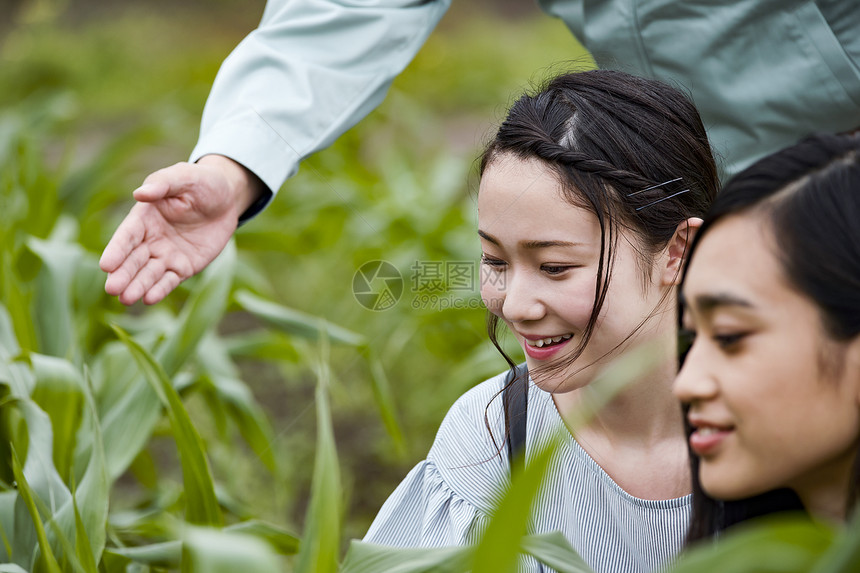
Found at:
<point>522,298</point>
<point>695,381</point>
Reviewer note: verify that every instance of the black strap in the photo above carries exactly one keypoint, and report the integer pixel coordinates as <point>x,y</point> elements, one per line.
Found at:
<point>515,398</point>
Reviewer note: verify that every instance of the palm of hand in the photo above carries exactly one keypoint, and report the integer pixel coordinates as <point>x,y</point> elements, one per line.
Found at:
<point>165,241</point>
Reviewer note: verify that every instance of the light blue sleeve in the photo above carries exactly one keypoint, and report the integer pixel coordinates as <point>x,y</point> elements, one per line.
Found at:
<point>309,72</point>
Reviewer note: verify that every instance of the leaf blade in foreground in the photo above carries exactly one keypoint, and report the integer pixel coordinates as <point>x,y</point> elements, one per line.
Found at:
<point>318,551</point>
<point>201,504</point>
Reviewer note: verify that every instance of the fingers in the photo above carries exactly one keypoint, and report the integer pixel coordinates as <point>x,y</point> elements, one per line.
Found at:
<point>173,231</point>
<point>149,192</point>
<point>120,278</point>
<point>162,288</point>
<point>149,274</point>
<point>166,182</point>
<point>127,237</point>
<point>151,284</point>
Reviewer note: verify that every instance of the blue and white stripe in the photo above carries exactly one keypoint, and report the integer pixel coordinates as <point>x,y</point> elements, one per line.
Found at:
<point>448,498</point>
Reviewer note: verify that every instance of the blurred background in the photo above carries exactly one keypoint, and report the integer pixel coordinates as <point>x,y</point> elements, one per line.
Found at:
<point>96,94</point>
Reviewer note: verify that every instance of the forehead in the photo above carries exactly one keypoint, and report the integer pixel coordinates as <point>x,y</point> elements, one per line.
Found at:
<point>523,197</point>
<point>737,259</point>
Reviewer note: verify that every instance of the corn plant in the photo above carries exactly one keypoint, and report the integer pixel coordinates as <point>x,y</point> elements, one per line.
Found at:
<point>84,390</point>
<point>98,405</point>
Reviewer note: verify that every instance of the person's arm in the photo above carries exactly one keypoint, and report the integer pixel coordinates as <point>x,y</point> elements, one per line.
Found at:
<point>309,72</point>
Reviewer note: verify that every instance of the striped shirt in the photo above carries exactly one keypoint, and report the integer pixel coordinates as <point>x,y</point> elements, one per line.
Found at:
<point>448,498</point>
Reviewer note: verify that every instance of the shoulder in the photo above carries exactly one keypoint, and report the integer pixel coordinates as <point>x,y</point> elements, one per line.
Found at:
<point>469,448</point>
<point>475,418</point>
<point>478,400</point>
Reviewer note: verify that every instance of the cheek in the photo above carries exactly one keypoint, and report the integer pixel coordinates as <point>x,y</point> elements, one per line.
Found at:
<point>574,302</point>
<point>799,431</point>
<point>576,308</point>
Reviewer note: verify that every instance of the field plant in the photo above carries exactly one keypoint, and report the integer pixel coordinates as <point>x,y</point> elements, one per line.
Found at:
<point>257,418</point>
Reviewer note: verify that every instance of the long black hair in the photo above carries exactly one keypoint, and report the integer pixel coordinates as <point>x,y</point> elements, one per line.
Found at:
<point>631,150</point>
<point>809,196</point>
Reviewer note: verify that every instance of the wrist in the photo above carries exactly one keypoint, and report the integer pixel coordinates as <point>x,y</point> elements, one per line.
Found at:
<point>244,187</point>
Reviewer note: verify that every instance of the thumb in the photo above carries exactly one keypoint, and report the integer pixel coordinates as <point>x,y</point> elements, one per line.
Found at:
<point>151,191</point>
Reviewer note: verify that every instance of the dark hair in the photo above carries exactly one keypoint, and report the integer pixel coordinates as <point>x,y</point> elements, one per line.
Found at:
<point>809,197</point>
<point>631,150</point>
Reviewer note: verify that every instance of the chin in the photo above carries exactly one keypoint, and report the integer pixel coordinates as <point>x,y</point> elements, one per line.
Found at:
<point>731,489</point>
<point>554,381</point>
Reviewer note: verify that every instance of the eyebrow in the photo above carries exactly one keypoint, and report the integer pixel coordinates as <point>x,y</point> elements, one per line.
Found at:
<point>530,244</point>
<point>708,302</point>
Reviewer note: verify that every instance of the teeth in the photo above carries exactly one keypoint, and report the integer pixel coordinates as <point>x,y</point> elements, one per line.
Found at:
<point>707,430</point>
<point>547,341</point>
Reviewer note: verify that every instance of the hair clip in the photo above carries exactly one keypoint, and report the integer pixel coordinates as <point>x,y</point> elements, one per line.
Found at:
<point>661,199</point>
<point>655,186</point>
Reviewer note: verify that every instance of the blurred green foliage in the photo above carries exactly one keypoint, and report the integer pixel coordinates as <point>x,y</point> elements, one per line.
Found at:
<point>120,427</point>
<point>95,100</point>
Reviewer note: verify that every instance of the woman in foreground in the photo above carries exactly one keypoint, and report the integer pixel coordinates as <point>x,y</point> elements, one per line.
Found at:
<point>771,384</point>
<point>589,194</point>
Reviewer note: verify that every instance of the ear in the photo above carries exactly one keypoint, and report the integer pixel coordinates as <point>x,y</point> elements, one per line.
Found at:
<point>851,367</point>
<point>678,249</point>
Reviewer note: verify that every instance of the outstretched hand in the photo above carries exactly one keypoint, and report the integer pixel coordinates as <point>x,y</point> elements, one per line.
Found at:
<point>183,218</point>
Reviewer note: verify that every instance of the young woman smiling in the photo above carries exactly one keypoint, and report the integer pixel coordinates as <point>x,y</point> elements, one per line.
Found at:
<point>772,382</point>
<point>589,194</point>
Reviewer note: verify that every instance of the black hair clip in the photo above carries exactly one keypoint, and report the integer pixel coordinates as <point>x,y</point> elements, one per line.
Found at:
<point>661,199</point>
<point>655,186</point>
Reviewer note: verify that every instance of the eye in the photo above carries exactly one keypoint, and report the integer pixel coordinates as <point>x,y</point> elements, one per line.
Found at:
<point>555,270</point>
<point>729,341</point>
<point>492,262</point>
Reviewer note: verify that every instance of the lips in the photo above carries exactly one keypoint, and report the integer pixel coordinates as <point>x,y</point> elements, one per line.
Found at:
<point>547,341</point>
<point>543,347</point>
<point>707,436</point>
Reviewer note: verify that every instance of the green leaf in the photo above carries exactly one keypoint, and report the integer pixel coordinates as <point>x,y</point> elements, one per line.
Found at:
<point>618,374</point>
<point>167,554</point>
<point>8,342</point>
<point>16,297</point>
<point>318,552</point>
<point>49,561</point>
<point>83,550</point>
<point>282,540</point>
<point>59,392</point>
<point>241,405</point>
<point>775,544</point>
<point>296,322</point>
<point>44,486</point>
<point>213,551</point>
<point>261,345</point>
<point>385,402</point>
<point>7,514</point>
<point>201,503</point>
<point>843,556</point>
<point>129,407</point>
<point>60,507</point>
<point>554,549</point>
<point>371,558</point>
<point>54,313</point>
<point>200,313</point>
<point>90,499</point>
<point>499,546</point>
<point>19,377</point>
